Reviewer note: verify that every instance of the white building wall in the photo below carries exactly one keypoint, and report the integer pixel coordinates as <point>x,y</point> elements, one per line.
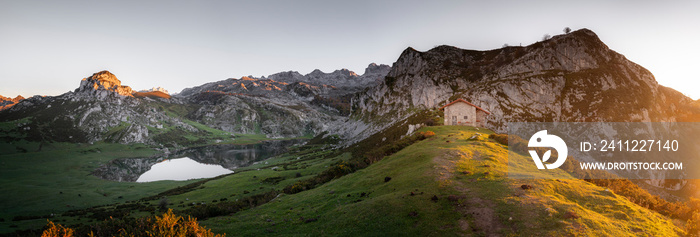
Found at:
<point>460,113</point>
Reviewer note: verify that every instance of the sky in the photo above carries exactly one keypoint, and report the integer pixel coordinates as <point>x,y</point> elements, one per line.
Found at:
<point>47,47</point>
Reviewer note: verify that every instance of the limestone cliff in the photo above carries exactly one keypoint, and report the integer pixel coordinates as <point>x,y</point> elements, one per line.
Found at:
<point>570,77</point>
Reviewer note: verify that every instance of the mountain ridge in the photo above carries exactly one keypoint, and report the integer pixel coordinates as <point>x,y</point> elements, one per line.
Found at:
<point>570,77</point>
<point>102,109</point>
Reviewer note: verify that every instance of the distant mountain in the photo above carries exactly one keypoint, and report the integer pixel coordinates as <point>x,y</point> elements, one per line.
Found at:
<point>344,79</point>
<point>153,93</point>
<point>154,89</point>
<point>281,105</point>
<point>292,83</point>
<point>6,102</point>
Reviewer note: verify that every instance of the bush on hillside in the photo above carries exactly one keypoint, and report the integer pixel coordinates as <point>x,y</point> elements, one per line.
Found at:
<point>424,135</point>
<point>54,230</point>
<point>692,226</point>
<point>168,224</point>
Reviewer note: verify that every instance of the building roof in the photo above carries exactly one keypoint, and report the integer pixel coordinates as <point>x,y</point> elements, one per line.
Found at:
<point>462,100</point>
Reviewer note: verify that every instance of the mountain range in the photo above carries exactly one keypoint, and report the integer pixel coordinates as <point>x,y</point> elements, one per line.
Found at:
<point>570,77</point>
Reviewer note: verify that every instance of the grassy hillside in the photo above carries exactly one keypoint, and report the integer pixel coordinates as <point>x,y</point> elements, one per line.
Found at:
<point>453,183</point>
<point>45,184</point>
<point>59,179</point>
<point>448,184</point>
<point>57,184</point>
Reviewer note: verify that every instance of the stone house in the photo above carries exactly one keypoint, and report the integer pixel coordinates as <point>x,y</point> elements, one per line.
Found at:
<point>461,112</point>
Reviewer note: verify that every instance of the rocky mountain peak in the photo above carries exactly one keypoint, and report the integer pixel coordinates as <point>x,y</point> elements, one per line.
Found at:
<point>316,72</point>
<point>345,72</point>
<point>101,83</point>
<point>583,38</point>
<point>6,102</point>
<point>105,78</point>
<point>288,76</point>
<point>373,68</point>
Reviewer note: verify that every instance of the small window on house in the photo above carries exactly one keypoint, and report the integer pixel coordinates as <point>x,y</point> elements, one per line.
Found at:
<point>465,117</point>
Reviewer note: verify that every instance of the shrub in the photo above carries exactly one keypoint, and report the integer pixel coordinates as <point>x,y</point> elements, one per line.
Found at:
<point>168,224</point>
<point>340,169</point>
<point>424,135</point>
<point>546,37</point>
<point>53,230</point>
<point>172,225</point>
<point>692,226</point>
<point>273,180</point>
<point>163,204</point>
<point>297,187</point>
<point>500,138</point>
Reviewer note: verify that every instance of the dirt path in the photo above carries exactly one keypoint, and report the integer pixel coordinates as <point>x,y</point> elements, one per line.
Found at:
<point>478,215</point>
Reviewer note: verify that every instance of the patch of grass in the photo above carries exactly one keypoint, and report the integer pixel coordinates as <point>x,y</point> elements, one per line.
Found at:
<point>58,179</point>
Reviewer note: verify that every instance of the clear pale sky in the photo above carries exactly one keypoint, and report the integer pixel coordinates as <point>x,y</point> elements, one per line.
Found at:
<point>47,47</point>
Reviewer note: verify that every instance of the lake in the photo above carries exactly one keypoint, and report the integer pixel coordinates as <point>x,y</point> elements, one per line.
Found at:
<point>193,163</point>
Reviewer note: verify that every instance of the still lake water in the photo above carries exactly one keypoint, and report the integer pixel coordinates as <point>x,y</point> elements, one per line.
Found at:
<point>193,163</point>
<point>181,169</point>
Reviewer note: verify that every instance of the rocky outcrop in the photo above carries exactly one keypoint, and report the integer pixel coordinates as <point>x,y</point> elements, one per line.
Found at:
<point>102,84</point>
<point>6,102</point>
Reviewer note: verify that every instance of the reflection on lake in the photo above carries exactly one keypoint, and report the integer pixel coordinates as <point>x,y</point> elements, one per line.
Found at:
<point>181,169</point>
<point>226,157</point>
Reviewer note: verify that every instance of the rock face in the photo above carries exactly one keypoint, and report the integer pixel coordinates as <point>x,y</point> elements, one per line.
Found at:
<point>103,83</point>
<point>6,102</point>
<point>571,77</point>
